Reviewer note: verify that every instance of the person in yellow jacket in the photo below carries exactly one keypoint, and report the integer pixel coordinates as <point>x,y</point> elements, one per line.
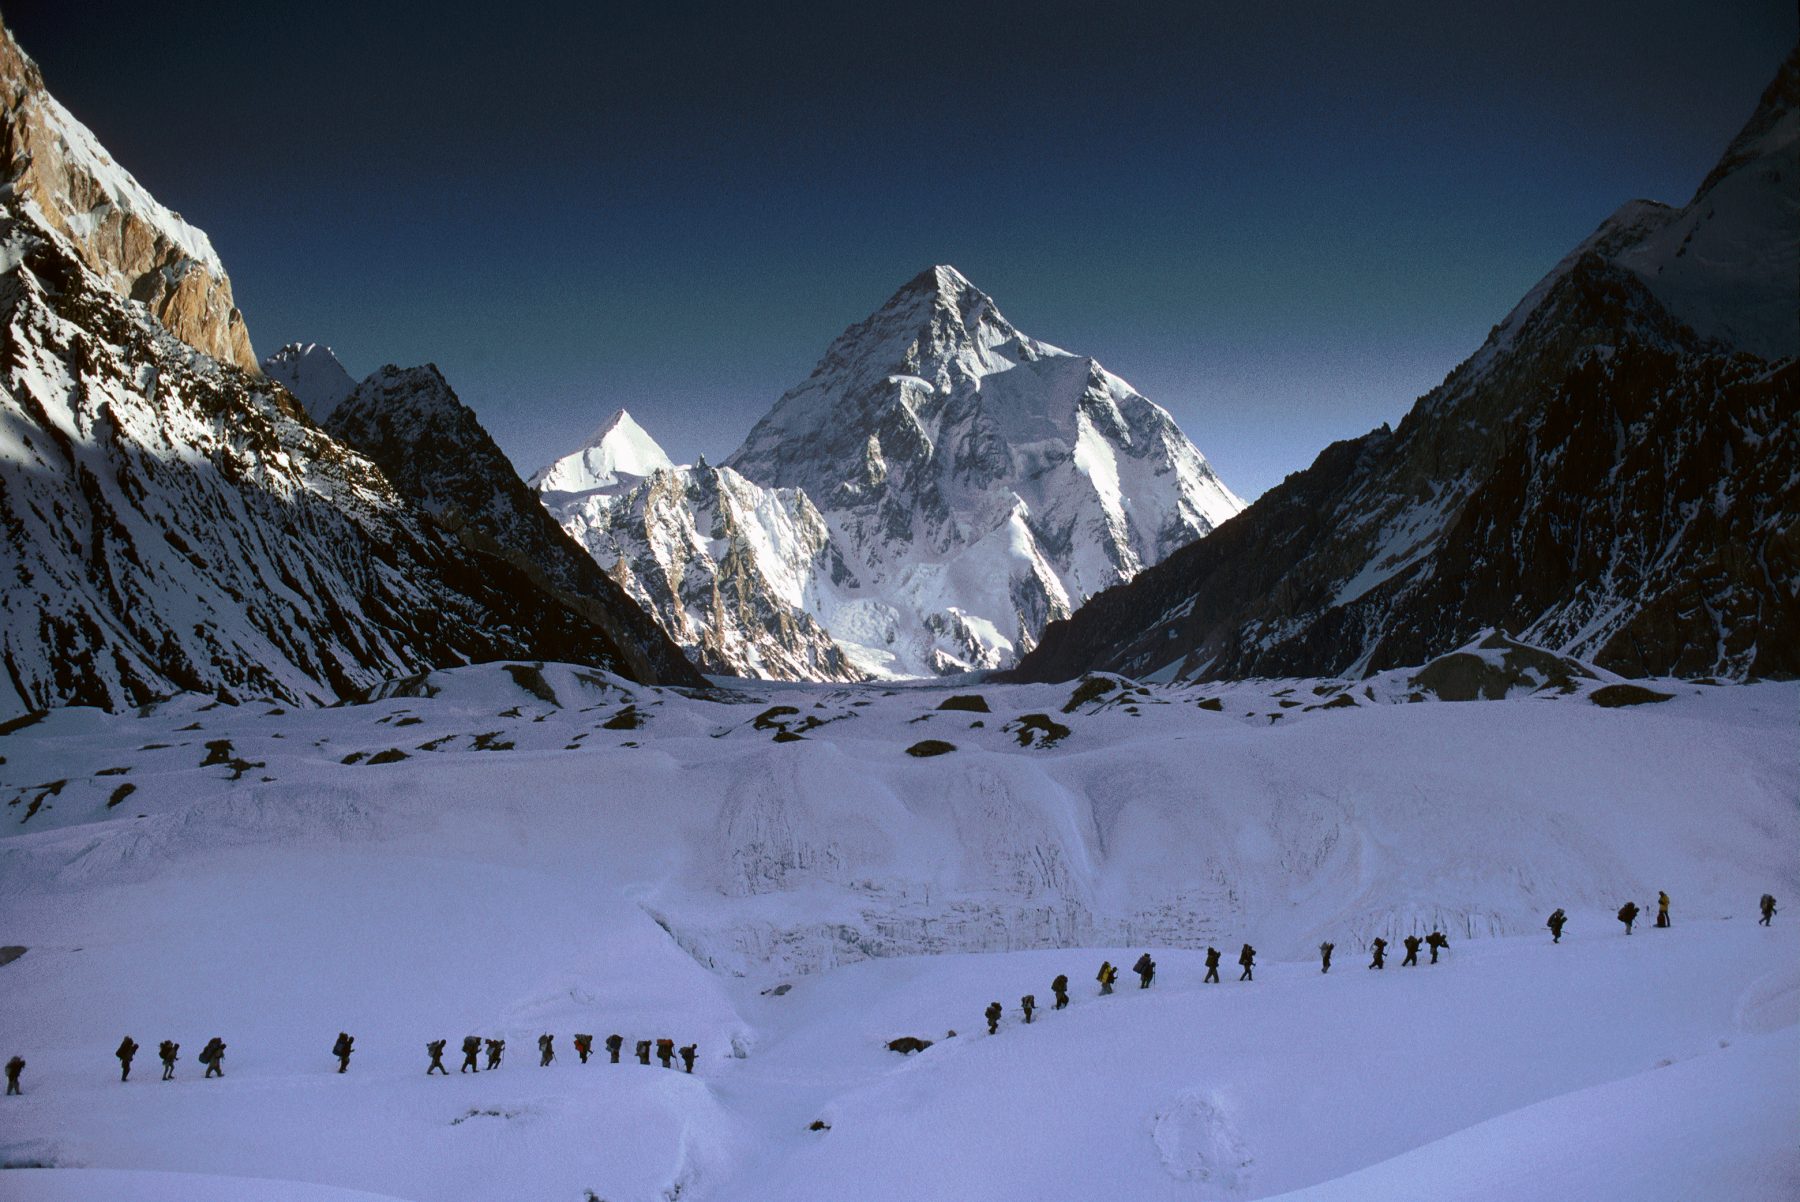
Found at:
<point>1108,974</point>
<point>1662,909</point>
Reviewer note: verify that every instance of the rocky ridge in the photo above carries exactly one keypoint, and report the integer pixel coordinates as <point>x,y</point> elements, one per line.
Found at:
<point>57,171</point>
<point>435,452</point>
<point>1611,476</point>
<point>175,523</point>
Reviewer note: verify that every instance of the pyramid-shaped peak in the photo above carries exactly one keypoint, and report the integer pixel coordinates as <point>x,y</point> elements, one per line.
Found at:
<point>939,285</point>
<point>313,374</point>
<point>415,398</point>
<point>936,313</point>
<point>942,279</point>
<point>618,452</point>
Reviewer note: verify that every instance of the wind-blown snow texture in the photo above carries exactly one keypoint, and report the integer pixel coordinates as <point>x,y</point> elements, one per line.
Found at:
<point>563,851</point>
<point>939,488</point>
<point>1615,473</point>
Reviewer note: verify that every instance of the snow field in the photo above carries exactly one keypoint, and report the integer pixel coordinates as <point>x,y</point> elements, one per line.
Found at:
<point>622,886</point>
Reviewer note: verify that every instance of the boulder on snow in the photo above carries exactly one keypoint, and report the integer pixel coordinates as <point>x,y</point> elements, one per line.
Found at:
<point>974,703</point>
<point>1491,667</point>
<point>1042,729</point>
<point>1090,689</point>
<point>1614,695</point>
<point>628,718</point>
<point>929,747</point>
<point>774,718</point>
<point>908,1044</point>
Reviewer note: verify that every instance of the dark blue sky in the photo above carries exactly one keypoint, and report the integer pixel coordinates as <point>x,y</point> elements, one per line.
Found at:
<point>1283,222</point>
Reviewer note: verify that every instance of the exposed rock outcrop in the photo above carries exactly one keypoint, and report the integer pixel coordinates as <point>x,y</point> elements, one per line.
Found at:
<point>57,171</point>
<point>1610,476</point>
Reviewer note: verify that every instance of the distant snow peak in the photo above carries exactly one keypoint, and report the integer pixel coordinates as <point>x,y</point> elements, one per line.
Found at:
<point>313,374</point>
<point>617,454</point>
<point>940,488</point>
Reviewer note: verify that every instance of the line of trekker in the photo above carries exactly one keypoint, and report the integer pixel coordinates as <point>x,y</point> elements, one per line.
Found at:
<point>1145,967</point>
<point>474,1045</point>
<point>213,1054</point>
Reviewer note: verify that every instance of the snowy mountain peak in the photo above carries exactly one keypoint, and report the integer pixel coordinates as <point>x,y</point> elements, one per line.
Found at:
<point>619,452</point>
<point>943,290</point>
<point>313,374</point>
<point>421,389</point>
<point>937,328</point>
<point>937,490</point>
<point>1727,265</point>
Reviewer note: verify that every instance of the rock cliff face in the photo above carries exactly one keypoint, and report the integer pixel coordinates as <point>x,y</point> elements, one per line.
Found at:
<point>435,452</point>
<point>173,522</point>
<point>940,488</point>
<point>1611,475</point>
<point>59,174</point>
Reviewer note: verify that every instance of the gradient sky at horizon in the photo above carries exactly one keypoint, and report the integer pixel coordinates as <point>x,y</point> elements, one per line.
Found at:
<point>1281,222</point>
